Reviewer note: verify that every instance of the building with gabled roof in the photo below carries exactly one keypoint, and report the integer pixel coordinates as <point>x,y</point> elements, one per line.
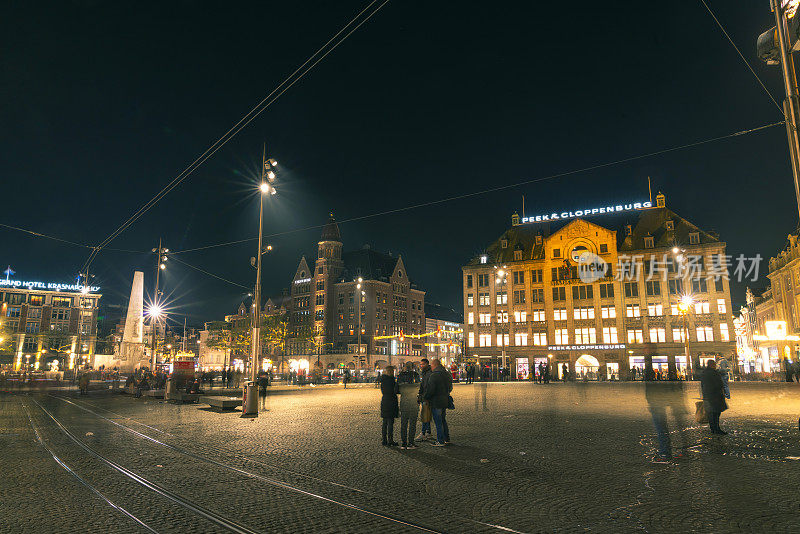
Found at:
<point>324,308</point>
<point>594,292</point>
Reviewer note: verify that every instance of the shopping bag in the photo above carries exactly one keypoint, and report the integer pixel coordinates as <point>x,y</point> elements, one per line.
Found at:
<point>700,412</point>
<point>425,413</point>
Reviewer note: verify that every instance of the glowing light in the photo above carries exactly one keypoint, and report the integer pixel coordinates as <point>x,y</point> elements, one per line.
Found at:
<point>271,175</point>
<point>265,187</point>
<point>155,311</point>
<point>686,302</point>
<point>675,250</point>
<point>162,266</point>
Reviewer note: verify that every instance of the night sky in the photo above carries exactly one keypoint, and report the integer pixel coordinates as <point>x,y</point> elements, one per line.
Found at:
<point>103,103</point>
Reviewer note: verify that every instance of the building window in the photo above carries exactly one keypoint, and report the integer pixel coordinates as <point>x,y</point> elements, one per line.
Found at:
<point>584,313</point>
<point>538,315</point>
<point>721,308</point>
<point>469,280</point>
<point>502,317</point>
<point>556,252</point>
<point>504,243</point>
<point>537,295</point>
<point>655,309</point>
<point>517,255</point>
<point>658,335</point>
<point>635,336</point>
<point>694,238</point>
<point>632,310</point>
<point>485,340</point>
<point>538,239</point>
<point>603,248</point>
<point>483,280</point>
<point>502,298</point>
<point>519,277</point>
<point>34,313</point>
<point>519,297</point>
<point>699,285</point>
<point>320,300</point>
<point>562,337</point>
<point>521,339</point>
<point>701,308</point>
<point>30,345</point>
<point>539,338</point>
<point>606,291</point>
<point>471,339</point>
<point>502,340</point>
<point>653,288</point>
<point>669,225</point>
<point>520,316</point>
<point>36,300</point>
<point>484,258</point>
<point>560,314</point>
<point>718,285</point>
<point>60,315</point>
<point>610,334</point>
<point>723,332</point>
<point>485,318</point>
<point>32,327</point>
<point>648,242</point>
<point>582,292</point>
<point>631,289</point>
<point>705,333</point>
<point>559,294</point>
<point>13,311</point>
<point>483,299</point>
<point>608,312</point>
<point>585,336</point>
<point>470,300</point>
<point>321,285</point>
<point>470,318</point>
<point>678,335</point>
<point>675,287</point>
<point>536,276</point>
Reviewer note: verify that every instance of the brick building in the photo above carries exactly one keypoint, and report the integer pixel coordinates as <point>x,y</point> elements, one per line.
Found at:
<point>526,303</point>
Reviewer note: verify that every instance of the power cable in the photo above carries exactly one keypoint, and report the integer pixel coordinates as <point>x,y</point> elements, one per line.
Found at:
<point>498,188</point>
<point>39,234</point>
<point>208,273</point>
<point>243,122</point>
<point>721,27</point>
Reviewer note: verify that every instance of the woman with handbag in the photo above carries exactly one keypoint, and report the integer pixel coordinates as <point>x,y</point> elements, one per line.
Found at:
<point>390,409</point>
<point>713,396</point>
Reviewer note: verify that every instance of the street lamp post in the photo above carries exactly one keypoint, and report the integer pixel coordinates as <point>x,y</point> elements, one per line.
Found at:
<point>156,308</point>
<point>500,281</point>
<point>684,306</point>
<point>360,293</point>
<point>265,188</point>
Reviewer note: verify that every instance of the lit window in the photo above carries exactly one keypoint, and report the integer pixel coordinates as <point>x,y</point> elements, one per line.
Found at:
<point>470,318</point>
<point>470,300</point>
<point>635,336</point>
<point>539,338</point>
<point>701,308</point>
<point>678,334</point>
<point>585,336</point>
<point>471,339</point>
<point>723,332</point>
<point>520,316</point>
<point>560,314</point>
<point>485,340</point>
<point>608,312</point>
<point>610,334</point>
<point>538,315</point>
<point>705,333</point>
<point>721,306</point>
<point>484,258</point>
<point>658,335</point>
<point>632,310</point>
<point>655,309</point>
<point>502,340</point>
<point>521,339</point>
<point>562,337</point>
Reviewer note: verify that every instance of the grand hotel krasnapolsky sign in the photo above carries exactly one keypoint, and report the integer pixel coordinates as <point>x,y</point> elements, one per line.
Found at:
<point>588,212</point>
<point>52,286</point>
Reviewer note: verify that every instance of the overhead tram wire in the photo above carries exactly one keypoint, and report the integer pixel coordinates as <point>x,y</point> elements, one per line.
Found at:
<point>39,234</point>
<point>208,273</point>
<point>494,189</point>
<point>243,122</point>
<point>724,31</point>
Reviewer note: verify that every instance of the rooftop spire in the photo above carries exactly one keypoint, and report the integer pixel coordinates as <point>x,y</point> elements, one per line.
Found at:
<point>330,232</point>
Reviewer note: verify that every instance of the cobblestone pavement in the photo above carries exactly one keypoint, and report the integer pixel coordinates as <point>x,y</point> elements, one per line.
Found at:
<point>526,457</point>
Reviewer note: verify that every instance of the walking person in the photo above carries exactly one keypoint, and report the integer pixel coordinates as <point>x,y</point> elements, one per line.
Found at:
<point>425,417</point>
<point>390,409</point>
<point>408,381</point>
<point>713,396</point>
<point>346,377</point>
<point>437,393</point>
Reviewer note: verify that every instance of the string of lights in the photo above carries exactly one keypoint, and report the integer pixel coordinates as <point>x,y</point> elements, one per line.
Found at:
<point>402,335</point>
<point>292,79</point>
<point>495,189</point>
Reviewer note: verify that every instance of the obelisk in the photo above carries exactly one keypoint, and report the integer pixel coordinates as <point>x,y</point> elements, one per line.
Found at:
<point>131,348</point>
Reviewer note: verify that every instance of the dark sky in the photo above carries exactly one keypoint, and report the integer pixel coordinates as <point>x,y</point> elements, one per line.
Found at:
<point>103,103</point>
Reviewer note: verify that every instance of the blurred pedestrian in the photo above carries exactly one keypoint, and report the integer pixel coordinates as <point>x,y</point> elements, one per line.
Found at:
<point>724,372</point>
<point>713,396</point>
<point>390,409</point>
<point>408,381</point>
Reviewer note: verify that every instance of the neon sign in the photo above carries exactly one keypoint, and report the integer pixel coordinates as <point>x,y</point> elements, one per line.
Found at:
<point>587,212</point>
<point>52,286</point>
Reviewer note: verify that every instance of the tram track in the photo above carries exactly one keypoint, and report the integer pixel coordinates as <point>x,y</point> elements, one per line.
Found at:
<point>273,481</point>
<point>205,512</point>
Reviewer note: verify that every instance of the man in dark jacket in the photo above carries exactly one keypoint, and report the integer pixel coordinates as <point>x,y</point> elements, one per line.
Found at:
<point>437,393</point>
<point>713,396</point>
<point>425,369</point>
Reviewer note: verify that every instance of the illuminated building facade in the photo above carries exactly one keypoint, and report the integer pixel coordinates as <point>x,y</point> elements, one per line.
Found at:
<point>586,299</point>
<point>42,325</point>
<point>447,344</point>
<point>324,307</point>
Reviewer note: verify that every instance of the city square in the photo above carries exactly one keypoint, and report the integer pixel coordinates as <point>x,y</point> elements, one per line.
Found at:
<point>396,266</point>
<point>525,457</point>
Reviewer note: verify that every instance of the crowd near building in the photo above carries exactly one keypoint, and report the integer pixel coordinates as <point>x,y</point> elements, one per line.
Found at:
<point>596,293</point>
<point>47,326</point>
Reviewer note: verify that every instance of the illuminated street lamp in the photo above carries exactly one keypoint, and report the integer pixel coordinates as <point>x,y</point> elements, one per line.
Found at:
<point>500,280</point>
<point>266,188</point>
<point>684,307</point>
<point>361,294</point>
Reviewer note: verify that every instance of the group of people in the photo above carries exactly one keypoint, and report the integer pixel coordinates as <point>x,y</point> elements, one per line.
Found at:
<point>423,395</point>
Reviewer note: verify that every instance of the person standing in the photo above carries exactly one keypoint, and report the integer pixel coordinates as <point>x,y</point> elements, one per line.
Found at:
<point>425,368</point>
<point>390,409</point>
<point>407,381</point>
<point>724,372</point>
<point>346,377</point>
<point>437,393</point>
<point>713,396</point>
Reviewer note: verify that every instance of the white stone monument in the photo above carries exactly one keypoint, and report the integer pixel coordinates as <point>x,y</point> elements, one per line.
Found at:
<point>131,349</point>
